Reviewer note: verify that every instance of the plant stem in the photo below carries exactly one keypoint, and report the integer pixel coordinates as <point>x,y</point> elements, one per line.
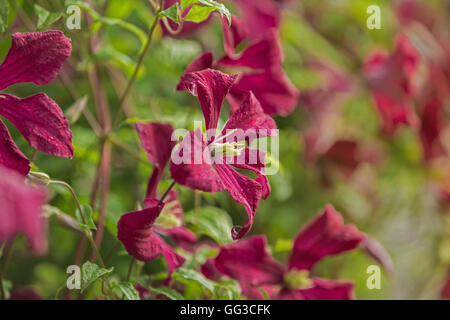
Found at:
<point>167,192</point>
<point>138,66</point>
<point>130,269</point>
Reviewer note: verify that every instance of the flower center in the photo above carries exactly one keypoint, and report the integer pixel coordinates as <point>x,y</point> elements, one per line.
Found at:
<point>227,149</point>
<point>167,218</point>
<point>298,279</point>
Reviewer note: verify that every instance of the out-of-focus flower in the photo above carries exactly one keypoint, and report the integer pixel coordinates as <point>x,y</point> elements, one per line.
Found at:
<point>20,212</point>
<point>249,262</point>
<point>391,80</point>
<point>212,172</point>
<point>259,67</point>
<point>33,57</point>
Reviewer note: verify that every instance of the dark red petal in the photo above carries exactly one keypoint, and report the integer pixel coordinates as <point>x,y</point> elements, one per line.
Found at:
<point>243,190</point>
<point>250,116</point>
<point>211,88</point>
<point>205,61</point>
<point>10,155</point>
<point>198,175</point>
<point>263,54</point>
<point>21,210</point>
<point>260,15</point>
<point>323,289</point>
<point>249,262</point>
<point>324,236</point>
<point>273,90</point>
<point>40,120</point>
<point>135,231</point>
<point>174,260</point>
<point>233,34</point>
<point>34,57</point>
<point>157,142</point>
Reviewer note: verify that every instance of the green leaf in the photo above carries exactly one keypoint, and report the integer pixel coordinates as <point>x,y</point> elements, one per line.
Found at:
<point>45,18</point>
<point>198,14</point>
<point>128,290</point>
<point>203,8</point>
<point>90,272</point>
<point>192,275</point>
<point>87,211</point>
<point>7,286</point>
<point>169,293</point>
<point>126,25</point>
<point>4,13</point>
<point>171,13</point>
<point>212,222</point>
<point>186,3</point>
<point>228,289</point>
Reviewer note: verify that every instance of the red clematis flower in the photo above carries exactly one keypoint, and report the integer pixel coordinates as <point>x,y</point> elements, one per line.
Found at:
<point>140,231</point>
<point>157,141</point>
<point>259,66</point>
<point>21,210</point>
<point>391,81</point>
<point>137,233</point>
<point>204,163</point>
<point>249,262</point>
<point>33,57</point>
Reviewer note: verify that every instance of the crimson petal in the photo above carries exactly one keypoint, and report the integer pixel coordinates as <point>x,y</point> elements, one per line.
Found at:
<point>233,34</point>
<point>40,120</point>
<point>10,155</point>
<point>323,289</point>
<point>205,61</point>
<point>157,142</point>
<point>273,90</point>
<point>249,262</point>
<point>250,115</point>
<point>326,235</point>
<point>21,210</point>
<point>211,88</point>
<point>34,57</point>
<point>195,174</point>
<point>135,231</point>
<point>243,190</point>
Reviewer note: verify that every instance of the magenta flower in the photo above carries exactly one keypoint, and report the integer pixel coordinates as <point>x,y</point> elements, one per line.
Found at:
<point>140,231</point>
<point>20,211</point>
<point>157,142</point>
<point>259,67</point>
<point>391,81</point>
<point>249,262</point>
<point>212,172</point>
<point>33,57</point>
<point>137,233</point>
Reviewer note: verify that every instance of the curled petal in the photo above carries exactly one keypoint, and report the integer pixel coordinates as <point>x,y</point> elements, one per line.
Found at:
<point>10,155</point>
<point>323,289</point>
<point>174,260</point>
<point>211,88</point>
<point>249,262</point>
<point>243,190</point>
<point>34,57</point>
<point>21,210</point>
<point>135,231</point>
<point>40,120</point>
<point>191,169</point>
<point>326,235</point>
